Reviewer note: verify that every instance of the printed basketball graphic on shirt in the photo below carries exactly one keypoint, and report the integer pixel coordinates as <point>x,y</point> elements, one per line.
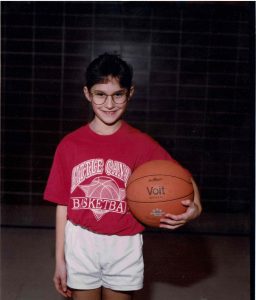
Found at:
<point>103,195</point>
<point>98,187</point>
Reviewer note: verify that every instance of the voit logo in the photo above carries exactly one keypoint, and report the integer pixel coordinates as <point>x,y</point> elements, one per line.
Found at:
<point>156,191</point>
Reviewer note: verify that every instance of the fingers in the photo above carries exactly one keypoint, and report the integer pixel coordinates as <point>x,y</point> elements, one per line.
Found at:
<point>167,225</point>
<point>193,210</point>
<point>61,286</point>
<point>172,221</point>
<point>58,286</point>
<point>69,293</point>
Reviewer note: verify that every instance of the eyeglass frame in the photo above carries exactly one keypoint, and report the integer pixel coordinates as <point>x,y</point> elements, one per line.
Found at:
<point>125,94</point>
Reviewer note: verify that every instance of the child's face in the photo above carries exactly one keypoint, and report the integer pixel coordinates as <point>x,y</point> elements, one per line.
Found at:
<point>108,113</point>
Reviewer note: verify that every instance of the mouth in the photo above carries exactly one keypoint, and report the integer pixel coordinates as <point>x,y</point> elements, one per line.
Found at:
<point>110,113</point>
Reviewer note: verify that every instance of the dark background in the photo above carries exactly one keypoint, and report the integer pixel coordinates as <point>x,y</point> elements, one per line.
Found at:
<point>193,64</point>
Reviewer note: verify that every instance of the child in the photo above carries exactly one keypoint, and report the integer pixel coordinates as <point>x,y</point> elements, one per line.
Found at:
<point>98,241</point>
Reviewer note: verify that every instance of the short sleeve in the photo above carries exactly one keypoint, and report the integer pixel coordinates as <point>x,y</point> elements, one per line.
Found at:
<point>154,151</point>
<point>58,185</point>
<point>150,149</point>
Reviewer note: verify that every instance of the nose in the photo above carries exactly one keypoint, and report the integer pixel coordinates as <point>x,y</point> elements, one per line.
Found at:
<point>109,102</point>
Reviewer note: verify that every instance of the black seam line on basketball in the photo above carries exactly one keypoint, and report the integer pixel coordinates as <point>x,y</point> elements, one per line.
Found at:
<point>162,200</point>
<point>159,175</point>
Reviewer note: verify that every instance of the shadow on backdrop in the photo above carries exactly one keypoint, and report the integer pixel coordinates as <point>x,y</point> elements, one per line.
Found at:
<point>174,259</point>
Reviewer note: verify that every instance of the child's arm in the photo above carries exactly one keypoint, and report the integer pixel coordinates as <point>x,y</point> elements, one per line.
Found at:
<point>194,209</point>
<point>60,275</point>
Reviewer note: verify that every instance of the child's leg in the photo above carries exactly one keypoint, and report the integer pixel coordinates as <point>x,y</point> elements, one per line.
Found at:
<point>108,294</point>
<point>94,294</point>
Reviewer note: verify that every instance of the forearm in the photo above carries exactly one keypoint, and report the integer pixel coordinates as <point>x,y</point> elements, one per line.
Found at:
<point>60,275</point>
<point>197,200</point>
<point>61,219</point>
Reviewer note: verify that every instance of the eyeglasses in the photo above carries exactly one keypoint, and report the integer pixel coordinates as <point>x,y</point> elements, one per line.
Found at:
<point>100,98</point>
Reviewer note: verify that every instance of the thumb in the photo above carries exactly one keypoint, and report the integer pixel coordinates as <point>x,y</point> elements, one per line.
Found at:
<point>186,202</point>
<point>63,284</point>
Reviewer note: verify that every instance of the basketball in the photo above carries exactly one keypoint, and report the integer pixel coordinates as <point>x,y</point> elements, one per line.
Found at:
<point>156,188</point>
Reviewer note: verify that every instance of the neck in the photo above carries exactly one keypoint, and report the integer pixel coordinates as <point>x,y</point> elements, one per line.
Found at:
<point>104,129</point>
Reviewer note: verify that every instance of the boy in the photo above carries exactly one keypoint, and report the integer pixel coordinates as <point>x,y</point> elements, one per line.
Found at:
<point>98,241</point>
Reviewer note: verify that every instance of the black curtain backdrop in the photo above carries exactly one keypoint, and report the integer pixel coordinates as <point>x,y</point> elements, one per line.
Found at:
<point>193,64</point>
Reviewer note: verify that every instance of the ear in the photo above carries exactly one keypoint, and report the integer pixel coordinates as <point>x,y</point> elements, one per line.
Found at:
<point>131,92</point>
<point>87,94</point>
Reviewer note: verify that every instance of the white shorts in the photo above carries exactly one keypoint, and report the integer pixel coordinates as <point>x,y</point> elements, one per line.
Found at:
<point>94,260</point>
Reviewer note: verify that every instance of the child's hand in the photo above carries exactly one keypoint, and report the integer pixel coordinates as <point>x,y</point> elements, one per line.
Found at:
<point>194,209</point>
<point>60,280</point>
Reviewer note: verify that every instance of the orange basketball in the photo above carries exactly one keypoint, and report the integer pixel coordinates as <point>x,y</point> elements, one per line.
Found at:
<point>156,188</point>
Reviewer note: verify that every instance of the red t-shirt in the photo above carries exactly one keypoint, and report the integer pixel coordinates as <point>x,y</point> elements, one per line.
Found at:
<point>90,172</point>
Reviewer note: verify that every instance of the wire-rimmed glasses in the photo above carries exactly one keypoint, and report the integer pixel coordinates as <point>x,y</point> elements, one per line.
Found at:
<point>99,97</point>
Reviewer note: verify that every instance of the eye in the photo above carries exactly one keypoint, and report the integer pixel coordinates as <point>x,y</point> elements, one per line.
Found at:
<point>119,94</point>
<point>99,94</point>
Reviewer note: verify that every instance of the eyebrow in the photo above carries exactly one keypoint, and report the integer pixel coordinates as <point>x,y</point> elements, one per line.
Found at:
<point>118,91</point>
